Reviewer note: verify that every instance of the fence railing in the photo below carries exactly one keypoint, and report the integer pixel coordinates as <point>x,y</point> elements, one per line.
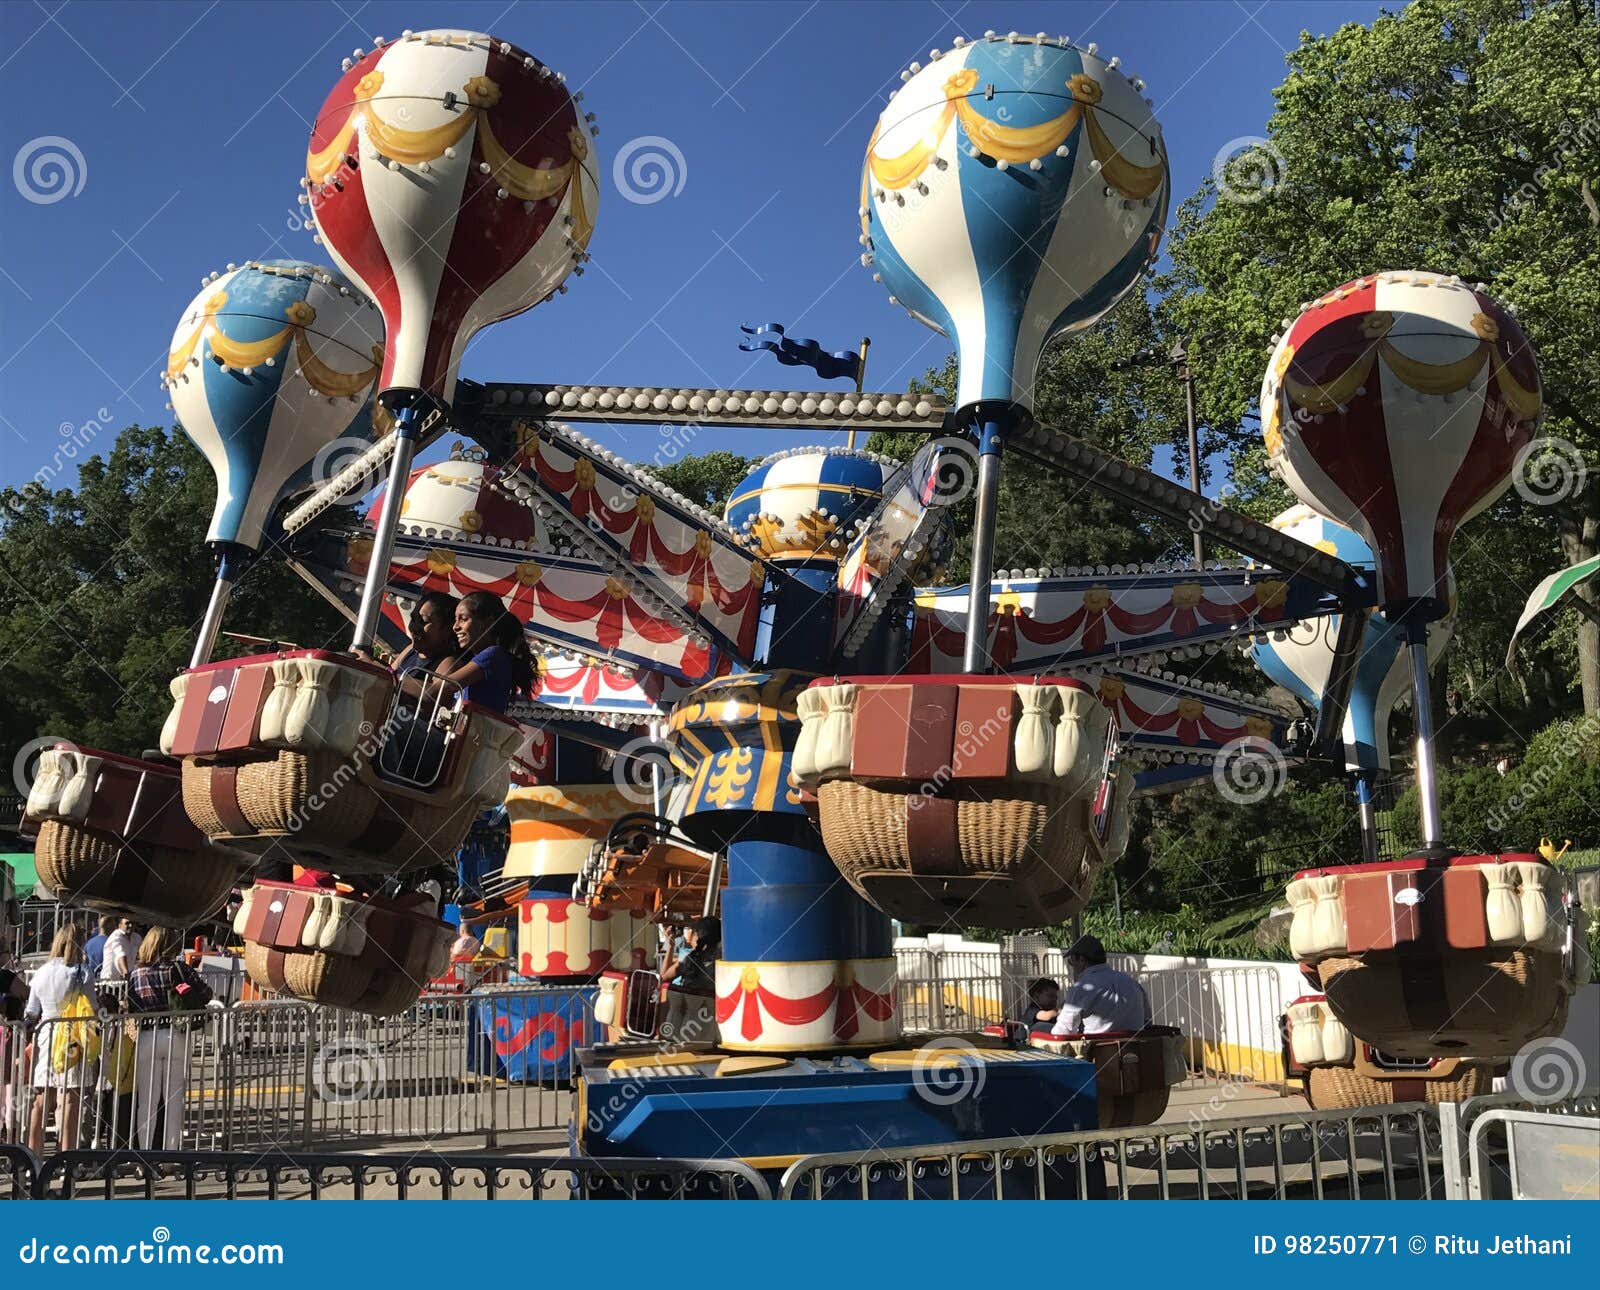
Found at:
<point>289,1075</point>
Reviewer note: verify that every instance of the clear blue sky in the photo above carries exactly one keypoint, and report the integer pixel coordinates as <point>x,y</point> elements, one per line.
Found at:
<point>192,119</point>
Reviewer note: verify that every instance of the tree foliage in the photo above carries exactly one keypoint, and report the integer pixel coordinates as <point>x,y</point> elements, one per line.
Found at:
<point>102,588</point>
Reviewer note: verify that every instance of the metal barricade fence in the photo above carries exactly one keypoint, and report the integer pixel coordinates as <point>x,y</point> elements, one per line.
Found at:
<point>282,1074</point>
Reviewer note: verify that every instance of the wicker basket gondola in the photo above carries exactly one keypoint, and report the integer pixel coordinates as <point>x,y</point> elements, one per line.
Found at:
<point>1331,1088</point>
<point>112,836</point>
<point>975,797</point>
<point>297,762</point>
<point>1490,1000</point>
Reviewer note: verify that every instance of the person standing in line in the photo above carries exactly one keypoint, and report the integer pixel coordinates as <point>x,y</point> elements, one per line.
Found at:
<point>120,953</point>
<point>691,985</point>
<point>95,947</point>
<point>13,1007</point>
<point>162,985</point>
<point>58,1079</point>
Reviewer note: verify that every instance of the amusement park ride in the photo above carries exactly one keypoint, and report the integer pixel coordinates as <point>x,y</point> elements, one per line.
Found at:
<point>853,746</point>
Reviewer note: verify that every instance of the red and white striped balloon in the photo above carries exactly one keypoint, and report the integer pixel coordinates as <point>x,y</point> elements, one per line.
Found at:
<point>451,177</point>
<point>1397,405</point>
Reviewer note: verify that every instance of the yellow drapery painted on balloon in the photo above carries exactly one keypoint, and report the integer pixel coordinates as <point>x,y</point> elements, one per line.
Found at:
<point>1425,378</point>
<point>413,147</point>
<point>322,378</point>
<point>1014,145</point>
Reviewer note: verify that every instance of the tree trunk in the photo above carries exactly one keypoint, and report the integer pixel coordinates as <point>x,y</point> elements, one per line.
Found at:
<point>1580,540</point>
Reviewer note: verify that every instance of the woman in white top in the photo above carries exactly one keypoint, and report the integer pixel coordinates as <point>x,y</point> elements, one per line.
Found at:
<point>62,978</point>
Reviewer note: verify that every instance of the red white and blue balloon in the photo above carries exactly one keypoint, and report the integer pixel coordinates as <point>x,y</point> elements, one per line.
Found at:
<point>1301,659</point>
<point>1397,405</point>
<point>1013,190</point>
<point>270,363</point>
<point>450,175</point>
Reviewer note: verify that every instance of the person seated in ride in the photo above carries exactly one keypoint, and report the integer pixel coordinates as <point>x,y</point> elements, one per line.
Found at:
<point>494,661</point>
<point>433,636</point>
<point>1100,999</point>
<point>691,985</point>
<point>1044,998</point>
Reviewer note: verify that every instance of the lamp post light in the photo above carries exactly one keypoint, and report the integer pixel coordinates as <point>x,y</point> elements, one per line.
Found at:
<point>1178,358</point>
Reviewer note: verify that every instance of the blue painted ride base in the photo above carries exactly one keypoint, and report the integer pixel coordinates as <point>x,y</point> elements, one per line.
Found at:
<point>529,1038</point>
<point>631,1104</point>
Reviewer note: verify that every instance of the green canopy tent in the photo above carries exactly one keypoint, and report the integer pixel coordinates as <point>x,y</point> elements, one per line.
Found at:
<point>1549,592</point>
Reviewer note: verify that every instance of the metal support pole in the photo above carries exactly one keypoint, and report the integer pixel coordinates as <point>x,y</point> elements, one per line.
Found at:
<point>713,884</point>
<point>230,563</point>
<point>861,376</point>
<point>1368,816</point>
<point>1427,785</point>
<point>406,429</point>
<point>975,657</point>
<point>1180,362</point>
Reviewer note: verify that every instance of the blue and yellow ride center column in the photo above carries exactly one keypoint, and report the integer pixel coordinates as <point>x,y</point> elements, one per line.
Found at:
<point>809,1057</point>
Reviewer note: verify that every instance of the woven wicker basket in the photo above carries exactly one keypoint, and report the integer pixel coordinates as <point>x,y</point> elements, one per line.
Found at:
<point>1023,853</point>
<point>366,983</point>
<point>1495,1001</point>
<point>1331,1088</point>
<point>314,807</point>
<point>153,884</point>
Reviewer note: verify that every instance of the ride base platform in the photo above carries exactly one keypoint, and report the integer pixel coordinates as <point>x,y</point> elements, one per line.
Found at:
<point>700,1102</point>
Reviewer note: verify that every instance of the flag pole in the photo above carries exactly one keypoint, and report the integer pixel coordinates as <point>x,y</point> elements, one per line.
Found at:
<point>861,376</point>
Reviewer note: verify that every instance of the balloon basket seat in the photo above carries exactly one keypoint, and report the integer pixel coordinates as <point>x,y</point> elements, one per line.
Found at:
<point>112,836</point>
<point>561,937</point>
<point>319,945</point>
<point>1340,1072</point>
<point>973,796</point>
<point>1134,1069</point>
<point>323,757</point>
<point>1475,955</point>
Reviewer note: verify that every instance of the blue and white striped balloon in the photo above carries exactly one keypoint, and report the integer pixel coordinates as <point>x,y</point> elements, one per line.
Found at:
<point>805,503</point>
<point>270,363</point>
<point>1301,662</point>
<point>1013,190</point>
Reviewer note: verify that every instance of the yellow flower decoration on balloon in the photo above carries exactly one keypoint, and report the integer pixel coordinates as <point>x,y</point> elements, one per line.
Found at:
<point>300,313</point>
<point>583,472</point>
<point>482,92</point>
<point>645,509</point>
<point>749,979</point>
<point>616,589</point>
<point>529,573</point>
<point>1085,89</point>
<point>1376,325</point>
<point>1097,598</point>
<point>470,521</point>
<point>1190,709</point>
<point>1186,595</point>
<point>1112,688</point>
<point>961,84</point>
<point>369,85</point>
<point>578,142</point>
<point>1486,327</point>
<point>441,561</point>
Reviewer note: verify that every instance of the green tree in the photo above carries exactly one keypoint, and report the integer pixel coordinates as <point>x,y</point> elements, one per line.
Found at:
<point>103,586</point>
<point>1457,135</point>
<point>708,479</point>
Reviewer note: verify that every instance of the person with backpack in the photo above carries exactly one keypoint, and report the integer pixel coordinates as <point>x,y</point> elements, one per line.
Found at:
<point>66,1039</point>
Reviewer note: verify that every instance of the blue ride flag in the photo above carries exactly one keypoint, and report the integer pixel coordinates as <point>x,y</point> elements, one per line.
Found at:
<point>800,352</point>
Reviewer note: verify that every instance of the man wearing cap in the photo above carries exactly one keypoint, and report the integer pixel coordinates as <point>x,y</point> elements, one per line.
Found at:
<point>1100,998</point>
